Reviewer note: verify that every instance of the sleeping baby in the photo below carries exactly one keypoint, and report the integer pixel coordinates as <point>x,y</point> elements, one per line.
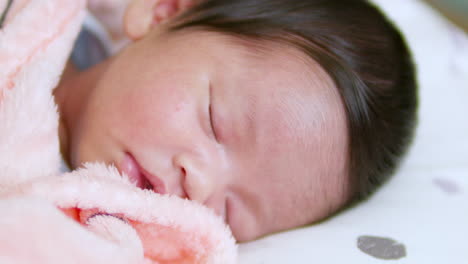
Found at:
<point>274,113</point>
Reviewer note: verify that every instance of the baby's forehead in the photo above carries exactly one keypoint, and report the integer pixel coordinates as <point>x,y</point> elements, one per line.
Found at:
<point>290,89</point>
<point>294,105</point>
<point>298,109</point>
<point>276,51</point>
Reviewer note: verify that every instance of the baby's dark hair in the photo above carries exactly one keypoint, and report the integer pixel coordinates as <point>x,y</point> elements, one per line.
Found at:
<point>362,52</point>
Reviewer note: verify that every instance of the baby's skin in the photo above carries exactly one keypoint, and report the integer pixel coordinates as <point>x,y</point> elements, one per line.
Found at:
<point>254,130</point>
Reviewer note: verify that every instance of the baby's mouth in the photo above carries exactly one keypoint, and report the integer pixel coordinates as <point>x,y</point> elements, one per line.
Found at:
<point>138,176</point>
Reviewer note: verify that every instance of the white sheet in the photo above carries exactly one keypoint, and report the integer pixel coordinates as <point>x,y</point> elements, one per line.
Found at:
<point>425,206</point>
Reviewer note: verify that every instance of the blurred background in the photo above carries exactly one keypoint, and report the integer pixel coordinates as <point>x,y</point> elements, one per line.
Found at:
<point>455,10</point>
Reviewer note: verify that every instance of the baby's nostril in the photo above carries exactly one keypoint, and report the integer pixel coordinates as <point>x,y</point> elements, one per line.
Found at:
<point>183,184</point>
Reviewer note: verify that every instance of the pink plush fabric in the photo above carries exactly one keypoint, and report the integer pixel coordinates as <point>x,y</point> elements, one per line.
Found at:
<point>92,215</point>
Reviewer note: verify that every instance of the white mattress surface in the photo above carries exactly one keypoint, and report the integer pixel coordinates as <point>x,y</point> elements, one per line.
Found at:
<point>421,215</point>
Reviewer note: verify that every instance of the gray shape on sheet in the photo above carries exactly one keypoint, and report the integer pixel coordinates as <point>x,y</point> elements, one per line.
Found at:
<point>381,247</point>
<point>447,186</point>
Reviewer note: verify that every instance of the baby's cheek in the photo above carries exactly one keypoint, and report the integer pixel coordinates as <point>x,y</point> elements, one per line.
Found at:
<point>149,114</point>
<point>244,226</point>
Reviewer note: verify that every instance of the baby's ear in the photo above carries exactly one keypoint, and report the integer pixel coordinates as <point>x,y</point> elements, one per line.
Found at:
<point>142,15</point>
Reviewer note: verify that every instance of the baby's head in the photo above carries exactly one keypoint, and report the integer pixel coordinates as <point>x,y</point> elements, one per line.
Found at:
<point>275,113</point>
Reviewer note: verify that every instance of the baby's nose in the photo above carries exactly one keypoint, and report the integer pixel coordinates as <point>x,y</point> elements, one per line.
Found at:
<point>204,183</point>
<point>197,181</point>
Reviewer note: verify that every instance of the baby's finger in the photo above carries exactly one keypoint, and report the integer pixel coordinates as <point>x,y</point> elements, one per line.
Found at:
<point>137,19</point>
<point>165,9</point>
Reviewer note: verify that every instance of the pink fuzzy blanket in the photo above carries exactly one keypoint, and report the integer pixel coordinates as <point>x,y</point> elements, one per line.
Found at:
<point>93,215</point>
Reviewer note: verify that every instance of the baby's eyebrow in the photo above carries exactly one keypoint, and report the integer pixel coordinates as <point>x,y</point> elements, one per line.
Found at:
<point>5,13</point>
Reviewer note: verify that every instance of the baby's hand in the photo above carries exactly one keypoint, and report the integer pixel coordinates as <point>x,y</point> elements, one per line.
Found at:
<point>142,15</point>
<point>133,18</point>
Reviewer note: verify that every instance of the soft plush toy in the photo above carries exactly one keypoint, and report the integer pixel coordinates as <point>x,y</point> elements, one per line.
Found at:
<point>92,215</point>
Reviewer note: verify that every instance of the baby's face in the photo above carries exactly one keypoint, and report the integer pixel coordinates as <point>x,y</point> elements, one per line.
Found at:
<point>258,135</point>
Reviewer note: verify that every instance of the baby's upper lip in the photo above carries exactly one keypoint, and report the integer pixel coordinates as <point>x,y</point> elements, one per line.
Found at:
<point>136,173</point>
